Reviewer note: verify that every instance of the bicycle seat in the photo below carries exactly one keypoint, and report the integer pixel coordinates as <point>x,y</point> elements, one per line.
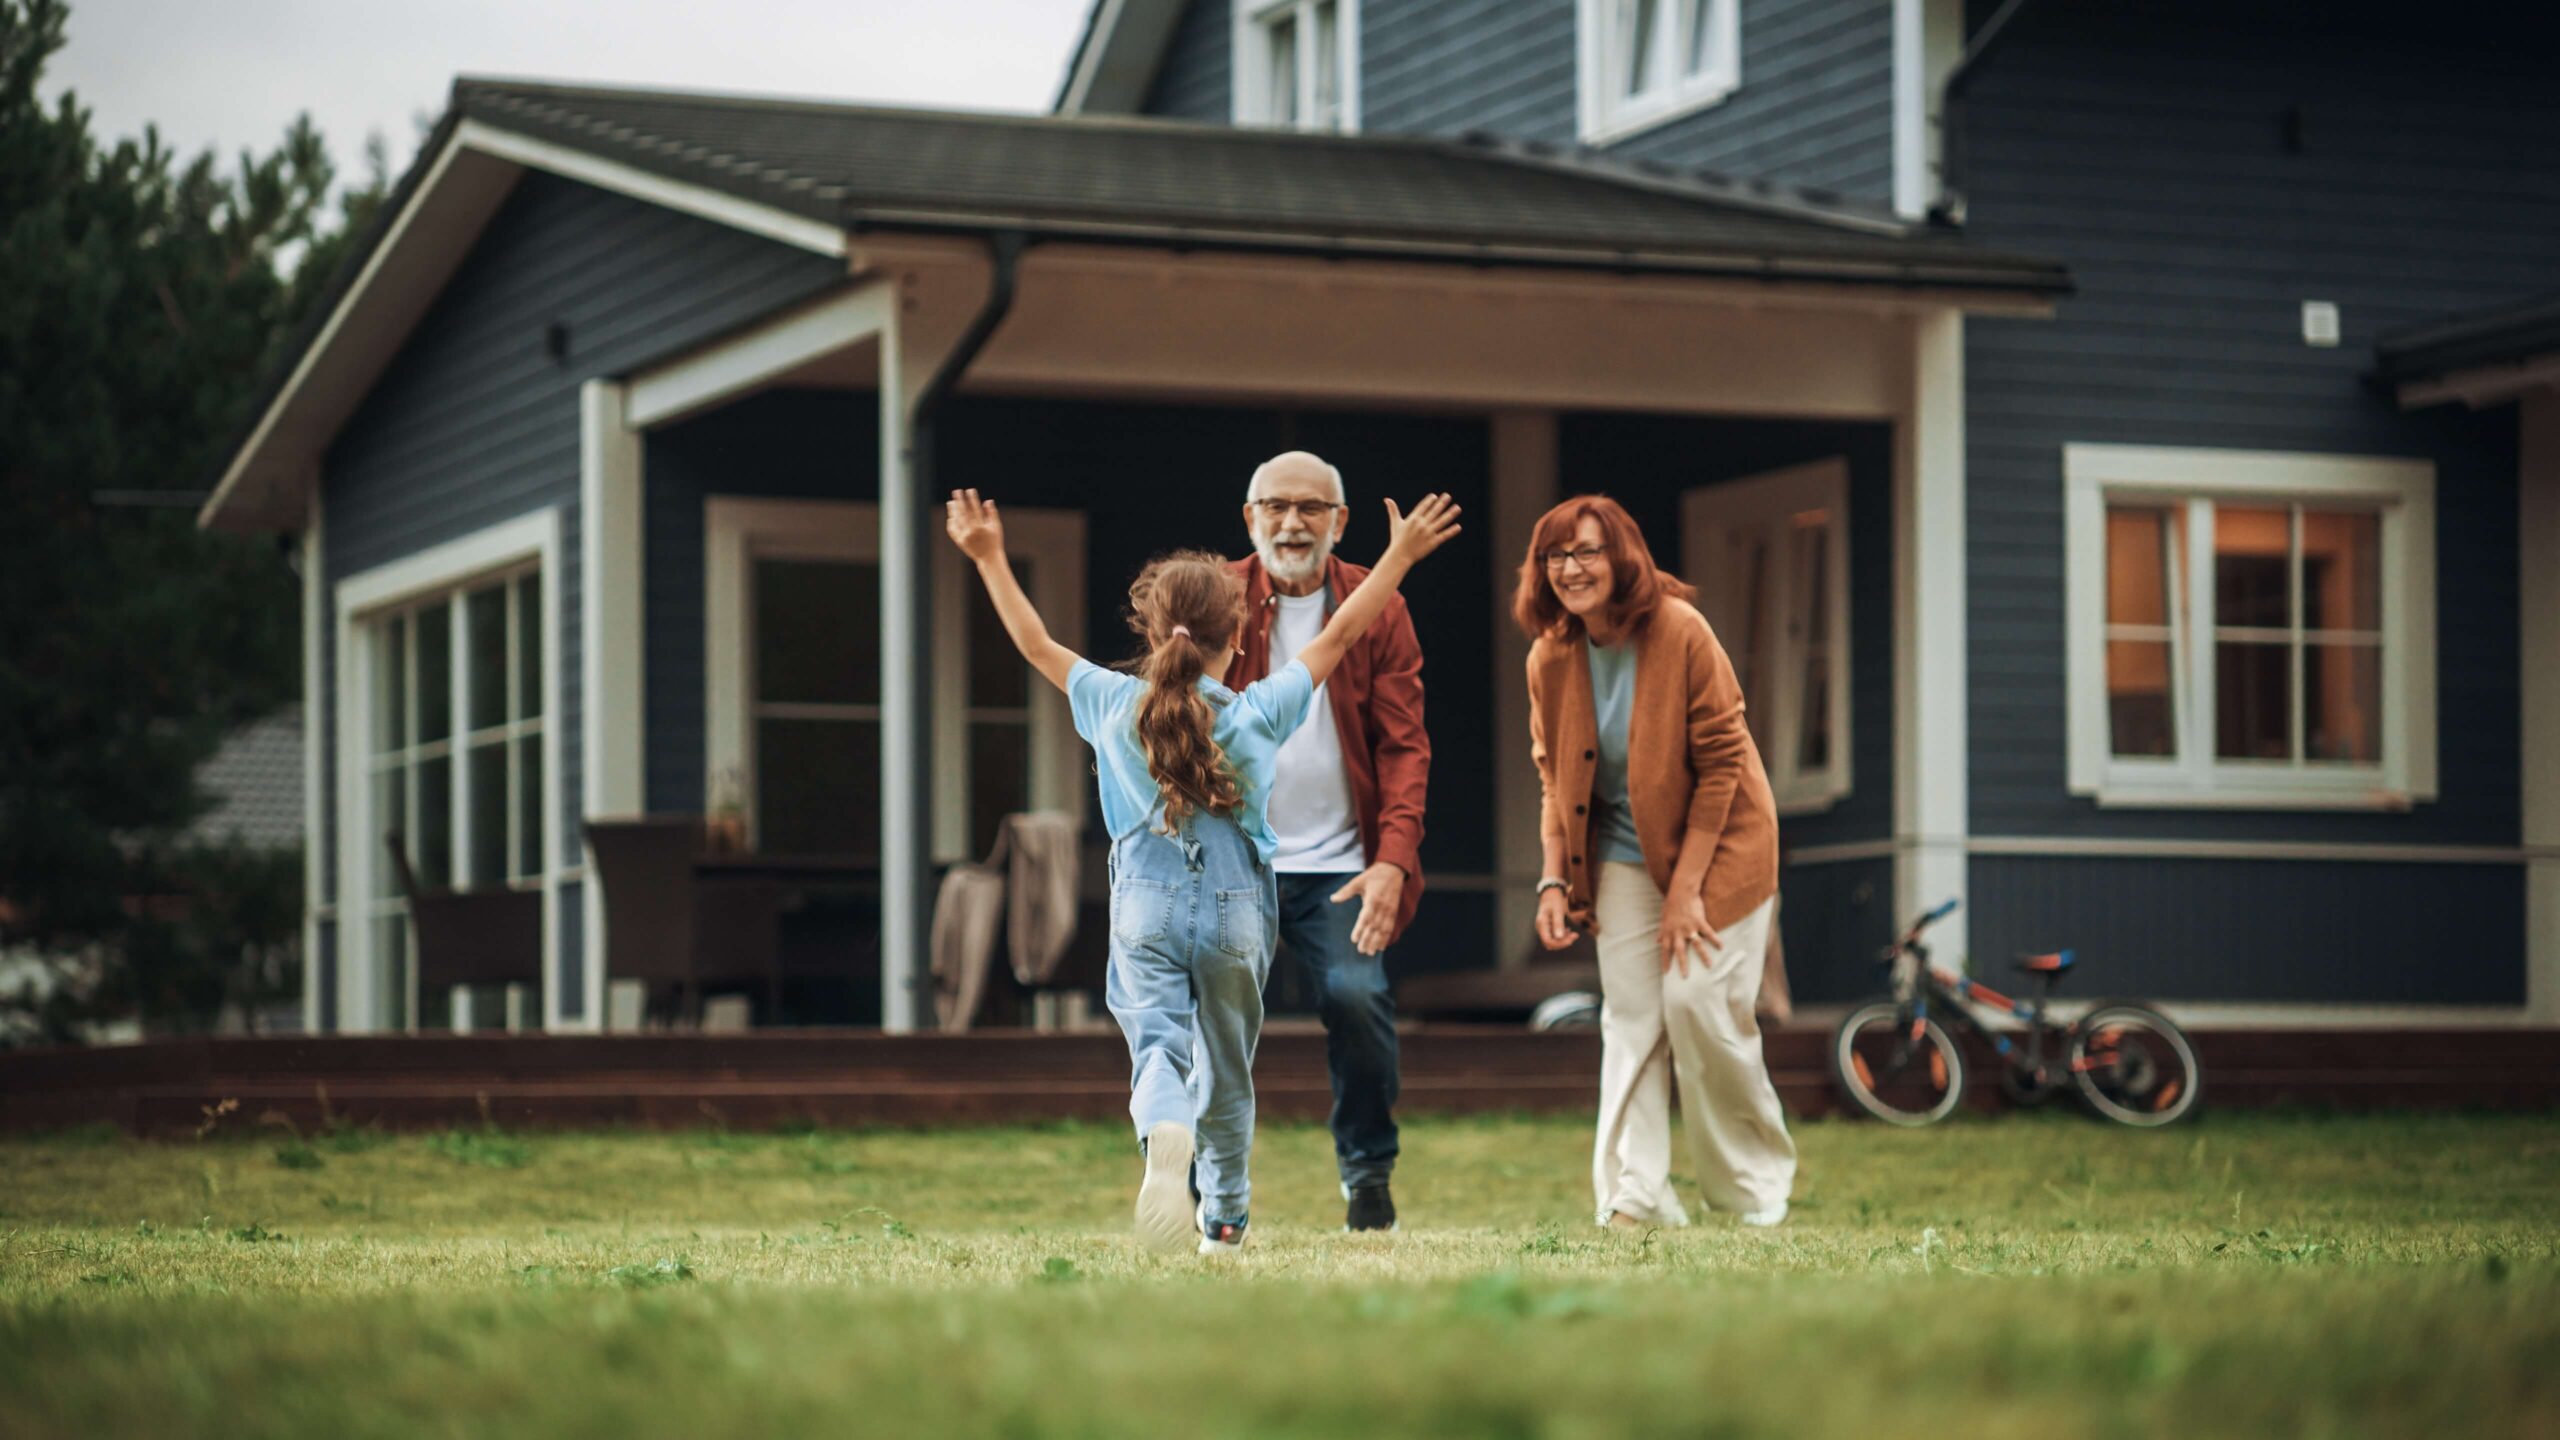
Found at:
<point>2052,962</point>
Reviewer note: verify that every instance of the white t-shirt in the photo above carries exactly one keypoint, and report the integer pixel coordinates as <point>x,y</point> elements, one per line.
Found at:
<point>1310,804</point>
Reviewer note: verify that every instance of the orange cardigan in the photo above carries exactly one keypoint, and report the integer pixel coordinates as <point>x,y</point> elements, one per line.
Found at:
<point>1691,764</point>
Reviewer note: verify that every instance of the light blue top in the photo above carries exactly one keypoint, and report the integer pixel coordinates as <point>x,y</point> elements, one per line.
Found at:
<point>1248,727</point>
<point>1613,700</point>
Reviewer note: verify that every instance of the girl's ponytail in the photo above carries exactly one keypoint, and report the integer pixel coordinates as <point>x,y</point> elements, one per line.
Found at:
<point>1187,606</point>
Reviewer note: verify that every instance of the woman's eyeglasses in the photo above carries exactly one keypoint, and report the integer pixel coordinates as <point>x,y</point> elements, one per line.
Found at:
<point>1311,511</point>
<point>1583,558</point>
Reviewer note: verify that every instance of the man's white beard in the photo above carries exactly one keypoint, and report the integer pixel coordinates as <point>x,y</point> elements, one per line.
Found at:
<point>1285,570</point>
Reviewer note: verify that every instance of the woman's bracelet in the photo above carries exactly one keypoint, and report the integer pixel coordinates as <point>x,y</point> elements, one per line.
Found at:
<point>1551,883</point>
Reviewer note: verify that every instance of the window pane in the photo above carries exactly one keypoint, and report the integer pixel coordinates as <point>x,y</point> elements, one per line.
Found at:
<point>818,632</point>
<point>528,805</point>
<point>2143,547</point>
<point>390,817</point>
<point>391,685</point>
<point>997,674</point>
<point>2253,700</point>
<point>999,778</point>
<point>1701,35</point>
<point>2252,550</point>
<point>433,854</point>
<point>818,787</point>
<point>1813,718</point>
<point>434,628</point>
<point>1328,86</point>
<point>1640,17</point>
<point>2342,691</point>
<point>1284,70</point>
<point>485,632</point>
<point>490,813</point>
<point>391,962</point>
<point>1812,538</point>
<point>2341,570</point>
<point>529,646</point>
<point>2141,718</point>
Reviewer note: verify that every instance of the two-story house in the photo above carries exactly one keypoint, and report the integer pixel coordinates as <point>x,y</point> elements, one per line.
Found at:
<point>2007,380</point>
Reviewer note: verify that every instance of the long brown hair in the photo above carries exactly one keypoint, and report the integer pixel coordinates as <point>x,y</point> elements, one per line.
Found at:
<point>1636,585</point>
<point>1190,590</point>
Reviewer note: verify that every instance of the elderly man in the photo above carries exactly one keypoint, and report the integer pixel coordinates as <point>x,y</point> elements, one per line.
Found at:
<point>1346,803</point>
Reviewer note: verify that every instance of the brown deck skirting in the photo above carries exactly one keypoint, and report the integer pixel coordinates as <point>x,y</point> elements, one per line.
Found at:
<point>853,1078</point>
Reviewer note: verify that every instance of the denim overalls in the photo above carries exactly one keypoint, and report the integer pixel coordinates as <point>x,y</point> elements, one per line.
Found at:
<point>1193,916</point>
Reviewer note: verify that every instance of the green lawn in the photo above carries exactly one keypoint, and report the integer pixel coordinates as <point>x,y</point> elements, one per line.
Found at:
<point>2249,1275</point>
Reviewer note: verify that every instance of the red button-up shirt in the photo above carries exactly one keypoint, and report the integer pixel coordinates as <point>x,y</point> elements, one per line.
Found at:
<point>1376,694</point>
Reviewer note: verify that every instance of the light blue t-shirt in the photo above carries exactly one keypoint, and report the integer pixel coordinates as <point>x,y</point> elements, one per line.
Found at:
<point>1248,727</point>
<point>1613,701</point>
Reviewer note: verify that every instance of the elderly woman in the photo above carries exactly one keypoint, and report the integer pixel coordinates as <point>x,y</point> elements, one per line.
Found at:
<point>1662,842</point>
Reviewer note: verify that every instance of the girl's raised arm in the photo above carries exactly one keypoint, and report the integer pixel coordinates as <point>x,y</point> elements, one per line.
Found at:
<point>979,532</point>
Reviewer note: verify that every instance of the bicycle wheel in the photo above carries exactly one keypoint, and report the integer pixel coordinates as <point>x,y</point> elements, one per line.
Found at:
<point>2133,1064</point>
<point>1888,1073</point>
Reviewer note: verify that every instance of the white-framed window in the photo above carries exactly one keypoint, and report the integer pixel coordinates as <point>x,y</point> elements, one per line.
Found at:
<point>2250,629</point>
<point>1297,64</point>
<point>1647,61</point>
<point>792,600</point>
<point>447,691</point>
<point>1770,557</point>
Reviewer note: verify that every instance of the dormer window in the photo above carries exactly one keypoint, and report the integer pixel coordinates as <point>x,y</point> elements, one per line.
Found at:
<point>1648,61</point>
<point>1297,64</point>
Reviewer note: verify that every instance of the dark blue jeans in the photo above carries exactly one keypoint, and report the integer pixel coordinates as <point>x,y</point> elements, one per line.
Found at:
<point>1359,1023</point>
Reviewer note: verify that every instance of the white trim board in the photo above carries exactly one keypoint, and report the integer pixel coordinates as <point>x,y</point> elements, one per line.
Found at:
<point>535,537</point>
<point>749,361</point>
<point>2402,490</point>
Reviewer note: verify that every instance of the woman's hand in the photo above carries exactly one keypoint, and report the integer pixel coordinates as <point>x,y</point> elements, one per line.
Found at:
<point>1684,925</point>
<point>1433,521</point>
<point>974,525</point>
<point>1555,919</point>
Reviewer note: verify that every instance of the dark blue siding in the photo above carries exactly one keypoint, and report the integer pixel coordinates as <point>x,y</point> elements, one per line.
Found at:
<point>1814,110</point>
<point>1647,462</point>
<point>325,956</point>
<point>2149,152</point>
<point>1835,918</point>
<point>570,966</point>
<point>474,424</point>
<point>2268,930</point>
<point>1193,82</point>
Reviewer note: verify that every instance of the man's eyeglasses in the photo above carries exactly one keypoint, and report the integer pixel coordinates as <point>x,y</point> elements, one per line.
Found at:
<point>1310,511</point>
<point>1583,558</point>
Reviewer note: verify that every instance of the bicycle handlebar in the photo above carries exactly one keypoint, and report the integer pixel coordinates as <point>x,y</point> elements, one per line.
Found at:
<point>1941,913</point>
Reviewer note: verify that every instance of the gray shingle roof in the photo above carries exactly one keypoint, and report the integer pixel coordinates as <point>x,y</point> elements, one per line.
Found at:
<point>1161,182</point>
<point>2502,334</point>
<point>255,780</point>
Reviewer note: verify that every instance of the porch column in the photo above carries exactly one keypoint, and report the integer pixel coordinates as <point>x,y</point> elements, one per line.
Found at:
<point>906,691</point>
<point>612,689</point>
<point>315,738</point>
<point>1930,682</point>
<point>1524,487</point>
<point>2538,565</point>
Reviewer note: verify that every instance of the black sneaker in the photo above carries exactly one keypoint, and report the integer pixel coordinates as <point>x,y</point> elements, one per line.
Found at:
<point>1372,1208</point>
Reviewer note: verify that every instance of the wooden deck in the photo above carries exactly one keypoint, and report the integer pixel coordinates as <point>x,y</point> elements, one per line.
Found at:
<point>842,1078</point>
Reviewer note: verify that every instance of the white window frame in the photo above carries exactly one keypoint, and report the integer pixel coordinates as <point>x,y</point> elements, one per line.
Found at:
<point>1708,515</point>
<point>740,531</point>
<point>2404,493</point>
<point>528,543</point>
<point>1250,91</point>
<point>1601,41</point>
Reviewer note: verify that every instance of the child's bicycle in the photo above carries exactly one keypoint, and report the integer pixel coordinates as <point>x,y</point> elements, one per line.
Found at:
<point>1896,1062</point>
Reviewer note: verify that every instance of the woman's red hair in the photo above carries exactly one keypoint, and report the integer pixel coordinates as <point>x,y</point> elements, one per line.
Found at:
<point>1637,585</point>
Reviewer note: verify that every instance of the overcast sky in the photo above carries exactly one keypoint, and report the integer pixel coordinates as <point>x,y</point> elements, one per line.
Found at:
<point>234,73</point>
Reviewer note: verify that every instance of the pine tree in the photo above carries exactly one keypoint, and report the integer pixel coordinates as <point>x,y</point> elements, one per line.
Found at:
<point>143,299</point>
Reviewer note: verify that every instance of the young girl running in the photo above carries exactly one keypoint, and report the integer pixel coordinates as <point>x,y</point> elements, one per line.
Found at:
<point>1185,766</point>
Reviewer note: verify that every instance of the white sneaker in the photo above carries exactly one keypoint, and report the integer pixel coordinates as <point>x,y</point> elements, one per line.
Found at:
<point>1164,1196</point>
<point>1224,1240</point>
<point>1763,1219</point>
